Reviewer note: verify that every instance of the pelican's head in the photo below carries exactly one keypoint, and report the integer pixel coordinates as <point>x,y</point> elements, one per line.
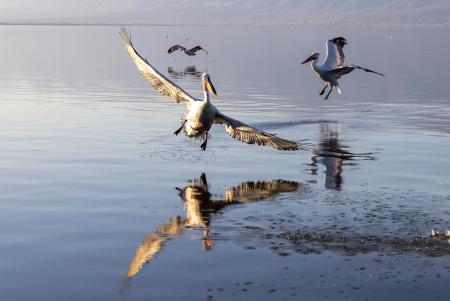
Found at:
<point>313,57</point>
<point>207,84</point>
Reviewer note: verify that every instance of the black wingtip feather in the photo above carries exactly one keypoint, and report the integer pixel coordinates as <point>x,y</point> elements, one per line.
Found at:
<point>340,41</point>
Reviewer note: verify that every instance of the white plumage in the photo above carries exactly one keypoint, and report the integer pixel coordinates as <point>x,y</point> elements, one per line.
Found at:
<point>334,65</point>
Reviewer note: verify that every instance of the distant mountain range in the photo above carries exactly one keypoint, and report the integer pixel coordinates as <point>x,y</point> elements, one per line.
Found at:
<point>227,11</point>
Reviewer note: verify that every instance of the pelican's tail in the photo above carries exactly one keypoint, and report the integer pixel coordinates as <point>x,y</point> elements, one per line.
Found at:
<point>338,89</point>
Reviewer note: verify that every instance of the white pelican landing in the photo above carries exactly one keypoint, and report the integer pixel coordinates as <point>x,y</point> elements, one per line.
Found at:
<point>201,113</point>
<point>190,52</point>
<point>334,66</point>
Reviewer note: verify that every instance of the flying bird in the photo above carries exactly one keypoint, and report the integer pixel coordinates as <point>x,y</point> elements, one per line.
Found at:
<point>334,65</point>
<point>190,52</point>
<point>201,113</point>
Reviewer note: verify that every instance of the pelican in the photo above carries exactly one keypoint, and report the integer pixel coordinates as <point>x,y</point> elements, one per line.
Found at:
<point>334,65</point>
<point>201,113</point>
<point>190,52</point>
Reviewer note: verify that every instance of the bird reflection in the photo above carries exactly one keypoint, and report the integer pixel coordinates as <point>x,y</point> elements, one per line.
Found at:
<point>152,243</point>
<point>190,71</point>
<point>332,154</point>
<point>200,207</point>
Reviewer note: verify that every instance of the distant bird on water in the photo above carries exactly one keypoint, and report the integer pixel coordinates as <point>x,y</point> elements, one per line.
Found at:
<point>190,52</point>
<point>334,66</point>
<point>201,113</point>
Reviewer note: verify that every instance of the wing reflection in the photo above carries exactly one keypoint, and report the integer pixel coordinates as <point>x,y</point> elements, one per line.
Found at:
<point>153,243</point>
<point>190,71</point>
<point>200,207</point>
<point>332,154</point>
<point>248,192</point>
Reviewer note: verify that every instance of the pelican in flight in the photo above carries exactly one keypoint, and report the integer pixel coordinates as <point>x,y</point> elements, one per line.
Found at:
<point>334,65</point>
<point>201,113</point>
<point>190,52</point>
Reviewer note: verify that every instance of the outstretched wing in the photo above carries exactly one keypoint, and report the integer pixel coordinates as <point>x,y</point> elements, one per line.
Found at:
<point>197,48</point>
<point>365,69</point>
<point>162,84</point>
<point>335,54</point>
<point>175,48</point>
<point>338,72</point>
<point>251,135</point>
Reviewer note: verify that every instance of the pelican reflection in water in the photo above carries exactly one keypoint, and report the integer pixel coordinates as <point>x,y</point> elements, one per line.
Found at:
<point>332,154</point>
<point>200,207</point>
<point>190,71</point>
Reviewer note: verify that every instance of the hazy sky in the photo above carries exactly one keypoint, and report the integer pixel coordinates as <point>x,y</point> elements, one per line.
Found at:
<point>227,11</point>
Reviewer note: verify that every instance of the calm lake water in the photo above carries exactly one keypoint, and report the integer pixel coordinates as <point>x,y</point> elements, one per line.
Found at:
<point>99,201</point>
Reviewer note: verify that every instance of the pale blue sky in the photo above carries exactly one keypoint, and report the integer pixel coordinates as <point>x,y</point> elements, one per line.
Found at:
<point>227,11</point>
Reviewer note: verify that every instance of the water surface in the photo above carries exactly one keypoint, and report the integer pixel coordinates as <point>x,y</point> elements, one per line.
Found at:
<point>100,201</point>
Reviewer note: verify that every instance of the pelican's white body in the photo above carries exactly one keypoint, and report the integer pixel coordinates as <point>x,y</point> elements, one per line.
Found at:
<point>199,117</point>
<point>323,72</point>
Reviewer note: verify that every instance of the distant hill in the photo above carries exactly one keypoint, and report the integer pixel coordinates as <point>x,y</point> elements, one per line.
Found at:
<point>229,11</point>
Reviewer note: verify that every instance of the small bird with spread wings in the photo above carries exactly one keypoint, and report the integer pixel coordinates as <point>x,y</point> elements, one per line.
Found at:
<point>334,66</point>
<point>201,113</point>
<point>190,52</point>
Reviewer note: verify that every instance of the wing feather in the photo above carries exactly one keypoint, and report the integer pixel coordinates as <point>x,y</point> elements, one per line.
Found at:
<point>175,48</point>
<point>162,84</point>
<point>335,53</point>
<point>197,48</point>
<point>365,69</point>
<point>251,135</point>
<point>338,72</point>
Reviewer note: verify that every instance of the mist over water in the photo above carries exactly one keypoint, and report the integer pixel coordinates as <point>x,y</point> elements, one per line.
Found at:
<point>100,200</point>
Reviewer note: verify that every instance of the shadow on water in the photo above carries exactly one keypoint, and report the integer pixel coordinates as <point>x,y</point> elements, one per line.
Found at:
<point>200,207</point>
<point>333,155</point>
<point>189,71</point>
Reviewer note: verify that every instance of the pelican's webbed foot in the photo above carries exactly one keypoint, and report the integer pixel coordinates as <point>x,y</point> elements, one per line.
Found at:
<point>326,97</point>
<point>203,145</point>
<point>323,90</point>
<point>181,127</point>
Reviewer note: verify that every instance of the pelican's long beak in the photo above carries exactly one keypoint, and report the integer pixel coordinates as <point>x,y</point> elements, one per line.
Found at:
<point>210,87</point>
<point>309,59</point>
